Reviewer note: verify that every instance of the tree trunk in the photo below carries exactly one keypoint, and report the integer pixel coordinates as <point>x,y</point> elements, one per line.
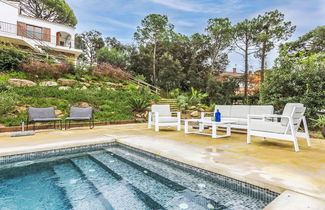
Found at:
<point>154,64</point>
<point>263,62</point>
<point>246,72</point>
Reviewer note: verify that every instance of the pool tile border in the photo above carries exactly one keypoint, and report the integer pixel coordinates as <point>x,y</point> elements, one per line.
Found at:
<point>52,153</point>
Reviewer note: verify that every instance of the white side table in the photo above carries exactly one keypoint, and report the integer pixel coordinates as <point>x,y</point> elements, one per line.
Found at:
<point>204,122</point>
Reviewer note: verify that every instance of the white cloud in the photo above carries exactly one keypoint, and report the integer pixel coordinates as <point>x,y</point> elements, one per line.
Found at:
<point>122,24</point>
<point>182,23</point>
<point>202,6</point>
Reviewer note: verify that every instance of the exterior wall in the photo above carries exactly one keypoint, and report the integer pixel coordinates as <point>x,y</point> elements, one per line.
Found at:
<point>13,26</point>
<point>8,13</point>
<point>54,28</point>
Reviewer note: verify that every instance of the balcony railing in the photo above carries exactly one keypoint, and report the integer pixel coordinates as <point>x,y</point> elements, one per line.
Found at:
<point>42,38</point>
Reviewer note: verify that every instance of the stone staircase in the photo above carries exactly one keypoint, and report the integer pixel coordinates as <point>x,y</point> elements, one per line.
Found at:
<point>171,101</point>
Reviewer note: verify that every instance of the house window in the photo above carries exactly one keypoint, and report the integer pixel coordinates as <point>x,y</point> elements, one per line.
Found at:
<point>34,32</point>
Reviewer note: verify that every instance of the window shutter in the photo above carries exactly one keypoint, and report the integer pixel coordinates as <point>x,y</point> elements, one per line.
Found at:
<point>46,34</point>
<point>58,35</point>
<point>21,29</point>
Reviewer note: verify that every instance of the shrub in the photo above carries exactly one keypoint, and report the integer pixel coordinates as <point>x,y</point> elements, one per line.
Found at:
<point>7,102</point>
<point>182,102</point>
<point>175,93</point>
<point>319,122</point>
<point>221,92</point>
<point>112,56</point>
<point>4,86</point>
<point>139,103</point>
<point>300,80</point>
<point>44,70</point>
<point>11,57</point>
<point>107,70</point>
<point>195,97</point>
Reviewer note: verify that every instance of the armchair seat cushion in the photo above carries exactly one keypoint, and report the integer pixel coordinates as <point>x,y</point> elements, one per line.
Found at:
<point>266,126</point>
<point>45,119</point>
<point>78,118</point>
<point>238,121</point>
<point>167,119</point>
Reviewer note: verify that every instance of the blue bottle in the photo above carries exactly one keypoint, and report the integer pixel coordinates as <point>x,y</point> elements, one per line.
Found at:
<point>217,116</point>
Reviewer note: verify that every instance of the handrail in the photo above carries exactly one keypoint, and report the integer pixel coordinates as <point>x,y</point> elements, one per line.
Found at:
<point>152,88</point>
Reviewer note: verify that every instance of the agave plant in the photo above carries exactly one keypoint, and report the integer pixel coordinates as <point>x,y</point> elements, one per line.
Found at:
<point>138,103</point>
<point>196,97</point>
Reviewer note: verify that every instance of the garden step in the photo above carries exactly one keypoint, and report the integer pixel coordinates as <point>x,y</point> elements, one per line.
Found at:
<point>171,101</point>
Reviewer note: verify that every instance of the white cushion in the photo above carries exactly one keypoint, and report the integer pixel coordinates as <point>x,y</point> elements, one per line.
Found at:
<point>288,109</point>
<point>163,110</point>
<point>223,109</point>
<point>260,110</point>
<point>239,111</point>
<point>242,121</point>
<point>272,127</point>
<point>167,120</point>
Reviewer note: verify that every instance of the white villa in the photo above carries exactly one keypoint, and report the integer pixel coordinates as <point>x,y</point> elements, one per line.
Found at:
<point>38,34</point>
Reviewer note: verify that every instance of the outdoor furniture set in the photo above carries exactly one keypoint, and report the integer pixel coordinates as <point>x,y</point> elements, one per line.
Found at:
<point>48,115</point>
<point>258,120</point>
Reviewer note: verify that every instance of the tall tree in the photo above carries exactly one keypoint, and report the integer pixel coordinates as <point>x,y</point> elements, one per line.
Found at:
<point>154,29</point>
<point>271,29</point>
<point>112,42</point>
<point>310,43</point>
<point>220,34</point>
<point>245,33</point>
<point>90,42</point>
<point>53,10</point>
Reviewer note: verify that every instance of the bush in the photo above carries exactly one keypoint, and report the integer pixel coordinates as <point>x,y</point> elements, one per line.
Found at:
<point>319,122</point>
<point>182,102</point>
<point>195,97</point>
<point>300,80</point>
<point>7,102</point>
<point>221,92</point>
<point>139,103</point>
<point>11,57</point>
<point>107,70</point>
<point>112,56</point>
<point>4,86</point>
<point>44,70</point>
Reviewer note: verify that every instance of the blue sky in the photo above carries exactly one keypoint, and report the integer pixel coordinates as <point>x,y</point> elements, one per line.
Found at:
<point>119,18</point>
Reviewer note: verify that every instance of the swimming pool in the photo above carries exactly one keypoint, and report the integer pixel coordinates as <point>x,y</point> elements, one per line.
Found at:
<point>116,176</point>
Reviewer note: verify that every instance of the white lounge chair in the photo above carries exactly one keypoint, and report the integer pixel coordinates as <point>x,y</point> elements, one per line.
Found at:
<point>268,126</point>
<point>161,116</point>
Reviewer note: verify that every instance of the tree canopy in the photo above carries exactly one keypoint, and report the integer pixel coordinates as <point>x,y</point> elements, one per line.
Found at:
<point>312,42</point>
<point>220,35</point>
<point>298,78</point>
<point>271,29</point>
<point>154,28</point>
<point>90,42</point>
<point>52,10</point>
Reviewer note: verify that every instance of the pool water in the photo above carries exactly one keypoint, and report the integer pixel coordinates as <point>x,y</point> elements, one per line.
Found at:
<point>117,177</point>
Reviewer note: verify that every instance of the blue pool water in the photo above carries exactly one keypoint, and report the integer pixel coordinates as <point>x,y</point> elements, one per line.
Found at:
<point>120,177</point>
